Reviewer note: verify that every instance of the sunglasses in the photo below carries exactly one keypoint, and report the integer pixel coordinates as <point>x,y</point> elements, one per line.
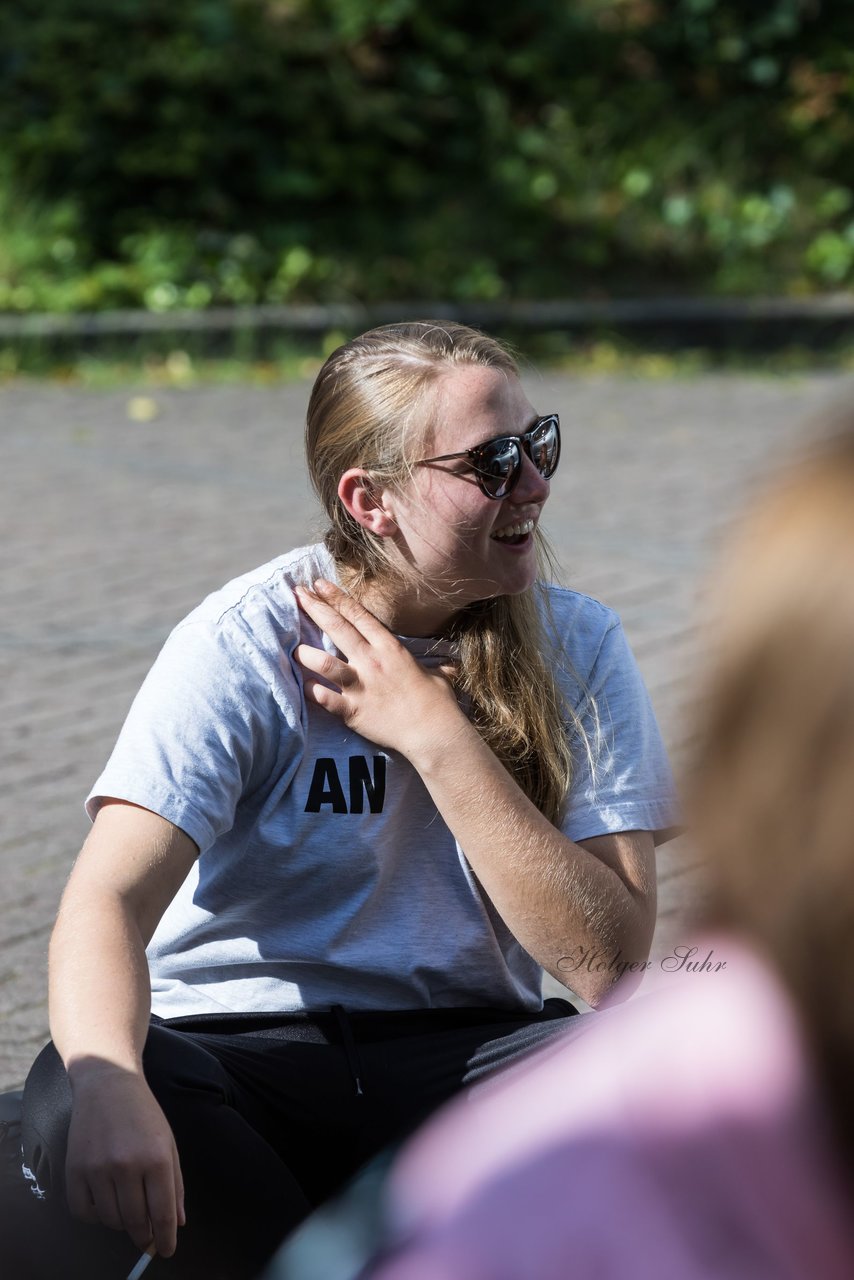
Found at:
<point>497,463</point>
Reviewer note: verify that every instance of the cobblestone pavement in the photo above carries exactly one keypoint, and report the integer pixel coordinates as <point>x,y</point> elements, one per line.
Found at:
<point>112,529</point>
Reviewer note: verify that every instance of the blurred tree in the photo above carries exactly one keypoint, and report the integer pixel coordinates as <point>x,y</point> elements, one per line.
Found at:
<point>243,150</point>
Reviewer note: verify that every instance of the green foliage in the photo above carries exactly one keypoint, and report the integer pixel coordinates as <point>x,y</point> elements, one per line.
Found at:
<point>241,151</point>
<point>153,363</point>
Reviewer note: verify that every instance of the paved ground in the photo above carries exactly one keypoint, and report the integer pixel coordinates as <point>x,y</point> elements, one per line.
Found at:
<point>112,529</point>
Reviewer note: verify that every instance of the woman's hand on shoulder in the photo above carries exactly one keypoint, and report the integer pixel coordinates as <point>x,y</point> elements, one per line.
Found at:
<point>377,688</point>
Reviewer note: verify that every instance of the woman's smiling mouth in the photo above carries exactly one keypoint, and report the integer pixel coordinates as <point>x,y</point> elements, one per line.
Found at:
<point>515,533</point>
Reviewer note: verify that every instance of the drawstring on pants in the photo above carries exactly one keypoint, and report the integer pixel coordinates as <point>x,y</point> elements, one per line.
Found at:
<point>350,1047</point>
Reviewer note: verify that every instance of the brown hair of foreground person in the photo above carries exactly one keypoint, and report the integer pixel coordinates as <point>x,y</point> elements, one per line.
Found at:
<point>773,788</point>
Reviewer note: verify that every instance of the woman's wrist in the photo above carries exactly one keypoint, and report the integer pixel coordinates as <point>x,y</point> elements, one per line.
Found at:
<point>89,1073</point>
<point>436,733</point>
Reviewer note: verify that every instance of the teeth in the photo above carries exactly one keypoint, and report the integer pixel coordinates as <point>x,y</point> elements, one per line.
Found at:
<point>515,530</point>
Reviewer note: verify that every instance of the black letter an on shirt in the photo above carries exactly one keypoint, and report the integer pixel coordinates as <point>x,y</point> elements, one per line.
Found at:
<point>326,786</point>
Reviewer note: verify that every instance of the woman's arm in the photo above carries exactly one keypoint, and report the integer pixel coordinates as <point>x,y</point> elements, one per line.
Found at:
<point>122,1167</point>
<point>574,907</point>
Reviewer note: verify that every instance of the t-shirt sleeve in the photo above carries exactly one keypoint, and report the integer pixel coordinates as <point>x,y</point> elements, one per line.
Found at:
<point>622,778</point>
<point>203,731</point>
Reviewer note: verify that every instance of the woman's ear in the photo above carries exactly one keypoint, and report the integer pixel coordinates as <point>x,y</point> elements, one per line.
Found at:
<point>365,501</point>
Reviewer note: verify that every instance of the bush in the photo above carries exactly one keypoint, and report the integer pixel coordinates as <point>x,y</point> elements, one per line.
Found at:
<point>238,151</point>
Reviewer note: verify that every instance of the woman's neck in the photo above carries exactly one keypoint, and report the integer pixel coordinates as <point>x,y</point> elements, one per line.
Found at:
<point>400,606</point>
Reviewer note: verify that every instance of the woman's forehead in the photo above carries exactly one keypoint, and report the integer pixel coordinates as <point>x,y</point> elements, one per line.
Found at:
<point>471,403</point>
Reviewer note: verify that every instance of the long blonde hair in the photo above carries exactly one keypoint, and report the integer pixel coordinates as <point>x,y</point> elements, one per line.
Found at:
<point>772,791</point>
<point>367,408</point>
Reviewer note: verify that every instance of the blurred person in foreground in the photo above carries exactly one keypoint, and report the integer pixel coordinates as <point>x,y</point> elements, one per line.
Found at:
<point>708,1129</point>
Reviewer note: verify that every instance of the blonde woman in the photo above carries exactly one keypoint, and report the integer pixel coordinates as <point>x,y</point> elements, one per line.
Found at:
<point>366,795</point>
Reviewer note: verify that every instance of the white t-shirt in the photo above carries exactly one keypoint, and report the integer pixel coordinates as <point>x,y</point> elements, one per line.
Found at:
<point>326,874</point>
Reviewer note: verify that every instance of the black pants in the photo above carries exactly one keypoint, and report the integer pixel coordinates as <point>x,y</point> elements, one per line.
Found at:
<point>270,1118</point>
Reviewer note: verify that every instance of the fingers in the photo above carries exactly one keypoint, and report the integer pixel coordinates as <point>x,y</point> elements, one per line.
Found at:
<point>341,616</point>
<point>372,679</point>
<point>133,1213</point>
<point>81,1201</point>
<point>329,668</point>
<point>326,665</point>
<point>179,1188</point>
<point>325,697</point>
<point>355,612</point>
<point>149,1207</point>
<point>163,1215</point>
<point>355,636</point>
<point>329,618</point>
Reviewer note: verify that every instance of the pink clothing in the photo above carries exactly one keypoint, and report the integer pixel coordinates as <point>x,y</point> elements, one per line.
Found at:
<point>677,1139</point>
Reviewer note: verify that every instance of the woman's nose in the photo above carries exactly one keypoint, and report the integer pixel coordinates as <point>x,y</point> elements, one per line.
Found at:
<point>531,486</point>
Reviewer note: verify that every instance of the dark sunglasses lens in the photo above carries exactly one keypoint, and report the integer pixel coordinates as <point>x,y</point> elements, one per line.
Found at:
<point>497,467</point>
<point>545,447</point>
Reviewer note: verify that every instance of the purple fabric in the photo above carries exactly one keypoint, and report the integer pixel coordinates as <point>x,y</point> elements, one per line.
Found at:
<point>678,1138</point>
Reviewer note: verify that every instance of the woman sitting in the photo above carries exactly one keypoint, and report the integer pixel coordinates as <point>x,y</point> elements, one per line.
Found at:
<point>367,793</point>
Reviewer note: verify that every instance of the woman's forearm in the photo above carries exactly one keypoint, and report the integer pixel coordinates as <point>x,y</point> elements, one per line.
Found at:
<point>98,984</point>
<point>122,1167</point>
<point>128,871</point>
<point>558,898</point>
